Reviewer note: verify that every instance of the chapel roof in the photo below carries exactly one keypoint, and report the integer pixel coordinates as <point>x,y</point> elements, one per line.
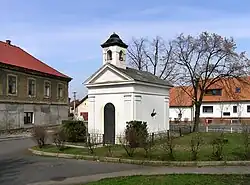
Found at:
<point>114,40</point>
<point>143,76</point>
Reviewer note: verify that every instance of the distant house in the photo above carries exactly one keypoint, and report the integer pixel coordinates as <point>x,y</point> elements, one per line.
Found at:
<point>82,108</point>
<point>224,102</point>
<point>31,92</point>
<point>71,105</point>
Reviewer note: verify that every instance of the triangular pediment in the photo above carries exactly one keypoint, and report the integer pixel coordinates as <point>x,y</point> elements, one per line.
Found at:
<point>107,74</point>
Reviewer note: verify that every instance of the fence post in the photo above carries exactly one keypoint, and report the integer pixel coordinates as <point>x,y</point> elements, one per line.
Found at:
<point>168,134</point>
<point>190,129</point>
<point>180,131</point>
<point>231,130</point>
<point>152,138</point>
<point>206,128</point>
<point>103,141</point>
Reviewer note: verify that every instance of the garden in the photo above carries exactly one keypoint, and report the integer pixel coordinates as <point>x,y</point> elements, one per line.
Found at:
<point>138,144</point>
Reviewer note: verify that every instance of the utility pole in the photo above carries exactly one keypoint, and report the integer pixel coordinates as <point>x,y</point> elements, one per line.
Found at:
<point>74,95</point>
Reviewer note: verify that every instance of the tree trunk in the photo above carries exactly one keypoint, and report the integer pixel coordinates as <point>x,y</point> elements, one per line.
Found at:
<point>197,117</point>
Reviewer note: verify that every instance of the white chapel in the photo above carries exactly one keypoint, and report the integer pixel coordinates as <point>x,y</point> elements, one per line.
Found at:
<point>118,94</point>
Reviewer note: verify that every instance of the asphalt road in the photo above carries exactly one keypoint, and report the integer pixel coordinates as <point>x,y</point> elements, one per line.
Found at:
<point>19,167</point>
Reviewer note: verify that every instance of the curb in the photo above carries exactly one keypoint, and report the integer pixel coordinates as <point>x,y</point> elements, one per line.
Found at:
<point>9,138</point>
<point>143,162</point>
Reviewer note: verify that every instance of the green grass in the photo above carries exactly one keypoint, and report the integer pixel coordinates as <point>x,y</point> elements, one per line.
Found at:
<point>174,179</point>
<point>232,151</point>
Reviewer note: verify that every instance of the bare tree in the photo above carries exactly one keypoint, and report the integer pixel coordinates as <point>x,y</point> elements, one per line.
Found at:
<point>155,56</point>
<point>205,60</point>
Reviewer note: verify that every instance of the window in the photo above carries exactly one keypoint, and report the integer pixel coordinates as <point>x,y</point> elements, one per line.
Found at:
<point>121,56</point>
<point>31,87</point>
<point>109,55</point>
<point>60,90</point>
<point>226,113</point>
<point>208,109</point>
<point>214,92</point>
<point>237,89</point>
<point>28,117</point>
<point>47,87</point>
<point>12,84</point>
<point>234,109</point>
<point>248,108</point>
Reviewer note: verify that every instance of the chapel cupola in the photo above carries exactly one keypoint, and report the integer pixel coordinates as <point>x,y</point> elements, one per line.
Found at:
<point>114,51</point>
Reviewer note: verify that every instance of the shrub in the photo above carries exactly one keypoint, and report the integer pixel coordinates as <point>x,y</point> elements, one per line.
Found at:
<point>75,131</point>
<point>246,141</point>
<point>39,134</point>
<point>92,143</point>
<point>167,145</point>
<point>59,139</point>
<point>195,145</point>
<point>136,133</point>
<point>218,144</point>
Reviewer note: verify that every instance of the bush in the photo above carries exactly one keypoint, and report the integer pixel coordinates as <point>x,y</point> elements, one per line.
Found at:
<point>136,133</point>
<point>218,144</point>
<point>195,144</point>
<point>59,139</point>
<point>39,134</point>
<point>246,141</point>
<point>167,145</point>
<point>75,131</point>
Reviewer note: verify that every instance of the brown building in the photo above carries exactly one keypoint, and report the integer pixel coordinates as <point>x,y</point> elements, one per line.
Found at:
<point>31,92</point>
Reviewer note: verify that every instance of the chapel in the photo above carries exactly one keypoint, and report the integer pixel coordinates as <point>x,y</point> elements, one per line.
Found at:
<point>118,94</point>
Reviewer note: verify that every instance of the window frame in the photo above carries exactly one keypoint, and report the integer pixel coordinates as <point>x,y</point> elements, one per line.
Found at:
<point>248,108</point>
<point>32,116</point>
<point>7,89</point>
<point>237,90</point>
<point>44,89</point>
<point>28,80</point>
<point>213,94</point>
<point>205,106</point>
<point>109,55</point>
<point>58,93</point>
<point>235,110</point>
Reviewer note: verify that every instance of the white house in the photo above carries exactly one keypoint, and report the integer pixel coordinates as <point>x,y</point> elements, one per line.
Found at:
<point>82,108</point>
<point>118,94</point>
<point>221,103</point>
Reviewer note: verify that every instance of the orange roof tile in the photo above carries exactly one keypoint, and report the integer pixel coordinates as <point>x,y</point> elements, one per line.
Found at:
<point>179,95</point>
<point>13,55</point>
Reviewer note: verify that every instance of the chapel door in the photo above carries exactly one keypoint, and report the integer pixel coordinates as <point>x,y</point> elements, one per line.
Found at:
<point>109,123</point>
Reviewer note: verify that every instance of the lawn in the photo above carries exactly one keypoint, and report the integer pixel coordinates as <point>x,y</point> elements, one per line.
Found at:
<point>232,151</point>
<point>174,179</point>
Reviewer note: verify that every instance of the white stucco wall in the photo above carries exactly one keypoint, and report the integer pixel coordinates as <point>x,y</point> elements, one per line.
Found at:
<point>187,112</point>
<point>219,108</point>
<point>83,107</point>
<point>131,103</point>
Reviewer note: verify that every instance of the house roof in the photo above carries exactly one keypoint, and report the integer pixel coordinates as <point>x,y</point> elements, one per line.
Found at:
<point>143,76</point>
<point>72,103</point>
<point>15,56</point>
<point>82,100</point>
<point>114,40</point>
<point>180,97</point>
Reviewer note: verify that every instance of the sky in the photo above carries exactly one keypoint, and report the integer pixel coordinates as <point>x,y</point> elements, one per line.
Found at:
<point>67,34</point>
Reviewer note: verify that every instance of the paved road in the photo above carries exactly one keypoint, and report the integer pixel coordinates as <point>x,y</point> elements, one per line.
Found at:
<point>17,166</point>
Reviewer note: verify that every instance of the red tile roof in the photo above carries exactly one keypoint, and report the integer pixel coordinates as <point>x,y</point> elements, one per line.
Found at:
<point>179,96</point>
<point>13,55</point>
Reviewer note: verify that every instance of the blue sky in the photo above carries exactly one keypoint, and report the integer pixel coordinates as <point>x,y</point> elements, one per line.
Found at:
<point>67,34</point>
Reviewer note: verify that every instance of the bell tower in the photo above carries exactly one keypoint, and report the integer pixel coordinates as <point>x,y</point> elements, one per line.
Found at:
<point>114,51</point>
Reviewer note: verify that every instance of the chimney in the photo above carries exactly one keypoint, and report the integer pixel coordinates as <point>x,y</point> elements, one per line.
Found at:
<point>8,42</point>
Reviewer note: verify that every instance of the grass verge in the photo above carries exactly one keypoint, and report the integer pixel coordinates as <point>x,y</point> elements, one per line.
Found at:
<point>177,179</point>
<point>232,151</point>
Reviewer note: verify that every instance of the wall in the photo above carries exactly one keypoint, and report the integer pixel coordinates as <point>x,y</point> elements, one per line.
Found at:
<point>186,113</point>
<point>147,99</point>
<point>127,107</point>
<point>13,114</point>
<point>83,107</point>
<point>22,88</point>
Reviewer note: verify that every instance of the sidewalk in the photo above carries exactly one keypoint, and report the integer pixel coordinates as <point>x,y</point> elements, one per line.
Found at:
<point>151,171</point>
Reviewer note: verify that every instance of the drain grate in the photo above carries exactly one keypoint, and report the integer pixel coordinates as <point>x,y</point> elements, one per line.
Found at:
<point>58,178</point>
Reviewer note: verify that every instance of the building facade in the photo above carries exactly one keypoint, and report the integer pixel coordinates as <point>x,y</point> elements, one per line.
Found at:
<point>227,103</point>
<point>31,92</point>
